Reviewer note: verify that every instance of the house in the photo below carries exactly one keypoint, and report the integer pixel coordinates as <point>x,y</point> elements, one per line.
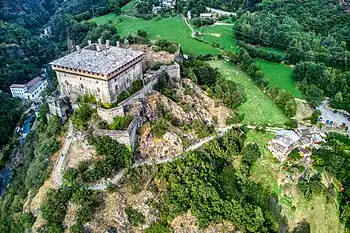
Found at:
<point>302,139</point>
<point>98,69</point>
<point>30,91</point>
<point>283,143</point>
<point>207,16</point>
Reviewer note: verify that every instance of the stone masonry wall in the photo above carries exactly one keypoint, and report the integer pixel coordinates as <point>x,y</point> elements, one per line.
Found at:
<point>129,136</point>
<point>109,114</point>
<point>124,80</point>
<point>74,85</point>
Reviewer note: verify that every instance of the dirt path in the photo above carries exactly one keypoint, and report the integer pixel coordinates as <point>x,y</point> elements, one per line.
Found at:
<point>193,32</point>
<point>223,24</point>
<point>60,163</point>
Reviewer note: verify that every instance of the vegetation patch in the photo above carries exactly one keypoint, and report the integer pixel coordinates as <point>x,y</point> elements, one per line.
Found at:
<point>279,75</point>
<point>171,28</point>
<point>113,156</point>
<point>135,217</point>
<point>259,108</point>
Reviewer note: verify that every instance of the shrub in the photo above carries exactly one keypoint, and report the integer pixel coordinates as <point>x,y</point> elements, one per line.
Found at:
<point>103,125</point>
<point>315,115</point>
<point>113,156</point>
<point>111,188</point>
<point>159,127</point>
<point>121,123</point>
<point>157,228</point>
<point>292,123</point>
<point>134,216</point>
<point>81,116</point>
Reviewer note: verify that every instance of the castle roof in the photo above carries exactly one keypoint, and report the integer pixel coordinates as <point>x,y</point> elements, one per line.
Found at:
<point>97,58</point>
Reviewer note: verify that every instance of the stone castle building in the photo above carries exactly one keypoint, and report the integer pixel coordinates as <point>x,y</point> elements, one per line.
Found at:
<point>98,69</point>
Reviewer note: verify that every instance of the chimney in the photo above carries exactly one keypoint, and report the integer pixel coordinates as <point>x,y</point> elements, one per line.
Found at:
<point>78,48</point>
<point>107,44</point>
<point>118,43</point>
<point>100,41</point>
<point>98,48</point>
<point>89,42</point>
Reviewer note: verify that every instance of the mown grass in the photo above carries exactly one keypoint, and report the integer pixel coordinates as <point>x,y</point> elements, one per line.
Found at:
<point>279,75</point>
<point>171,28</point>
<point>259,108</point>
<point>220,34</point>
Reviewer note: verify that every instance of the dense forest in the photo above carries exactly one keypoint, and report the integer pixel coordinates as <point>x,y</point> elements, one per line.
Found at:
<point>315,36</point>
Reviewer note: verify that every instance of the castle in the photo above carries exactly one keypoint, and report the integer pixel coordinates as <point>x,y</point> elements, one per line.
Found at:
<point>98,69</point>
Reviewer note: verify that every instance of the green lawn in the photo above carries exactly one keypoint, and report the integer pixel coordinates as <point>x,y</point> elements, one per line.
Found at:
<point>221,34</point>
<point>259,108</point>
<point>280,76</point>
<point>171,28</point>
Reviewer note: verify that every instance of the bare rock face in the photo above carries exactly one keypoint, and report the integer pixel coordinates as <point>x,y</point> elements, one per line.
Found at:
<point>170,145</point>
<point>193,104</point>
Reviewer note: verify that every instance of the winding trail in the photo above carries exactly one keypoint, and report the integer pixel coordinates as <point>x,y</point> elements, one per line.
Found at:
<point>189,25</point>
<point>60,162</point>
<point>57,176</point>
<point>220,132</point>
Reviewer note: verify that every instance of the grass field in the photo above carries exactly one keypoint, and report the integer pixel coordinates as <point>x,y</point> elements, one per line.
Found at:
<point>280,76</point>
<point>322,216</point>
<point>221,34</point>
<point>259,108</point>
<point>171,28</point>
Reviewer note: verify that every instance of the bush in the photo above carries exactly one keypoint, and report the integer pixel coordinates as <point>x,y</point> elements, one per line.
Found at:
<point>134,216</point>
<point>113,156</point>
<point>157,228</point>
<point>81,116</point>
<point>135,87</point>
<point>111,188</point>
<point>292,123</point>
<point>314,117</point>
<point>159,127</point>
<point>121,123</point>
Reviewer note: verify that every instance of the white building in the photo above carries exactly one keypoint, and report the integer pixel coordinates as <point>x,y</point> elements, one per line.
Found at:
<point>31,90</point>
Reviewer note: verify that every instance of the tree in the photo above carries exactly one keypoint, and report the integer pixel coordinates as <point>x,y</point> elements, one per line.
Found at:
<point>315,116</point>
<point>251,153</point>
<point>81,116</point>
<point>142,33</point>
<point>314,95</point>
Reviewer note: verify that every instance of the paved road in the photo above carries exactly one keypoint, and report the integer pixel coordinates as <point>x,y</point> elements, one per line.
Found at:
<point>60,163</point>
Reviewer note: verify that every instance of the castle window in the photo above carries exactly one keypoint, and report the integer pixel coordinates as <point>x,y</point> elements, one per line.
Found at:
<point>96,81</point>
<point>98,89</point>
<point>81,86</point>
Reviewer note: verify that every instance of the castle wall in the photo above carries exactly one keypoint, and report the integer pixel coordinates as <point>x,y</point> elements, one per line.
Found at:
<point>124,80</point>
<point>74,85</point>
<point>109,114</point>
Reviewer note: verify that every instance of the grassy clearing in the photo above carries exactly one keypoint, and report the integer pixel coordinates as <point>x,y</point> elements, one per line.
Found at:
<point>280,76</point>
<point>266,169</point>
<point>322,216</point>
<point>130,7</point>
<point>221,34</point>
<point>171,28</point>
<point>259,108</point>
